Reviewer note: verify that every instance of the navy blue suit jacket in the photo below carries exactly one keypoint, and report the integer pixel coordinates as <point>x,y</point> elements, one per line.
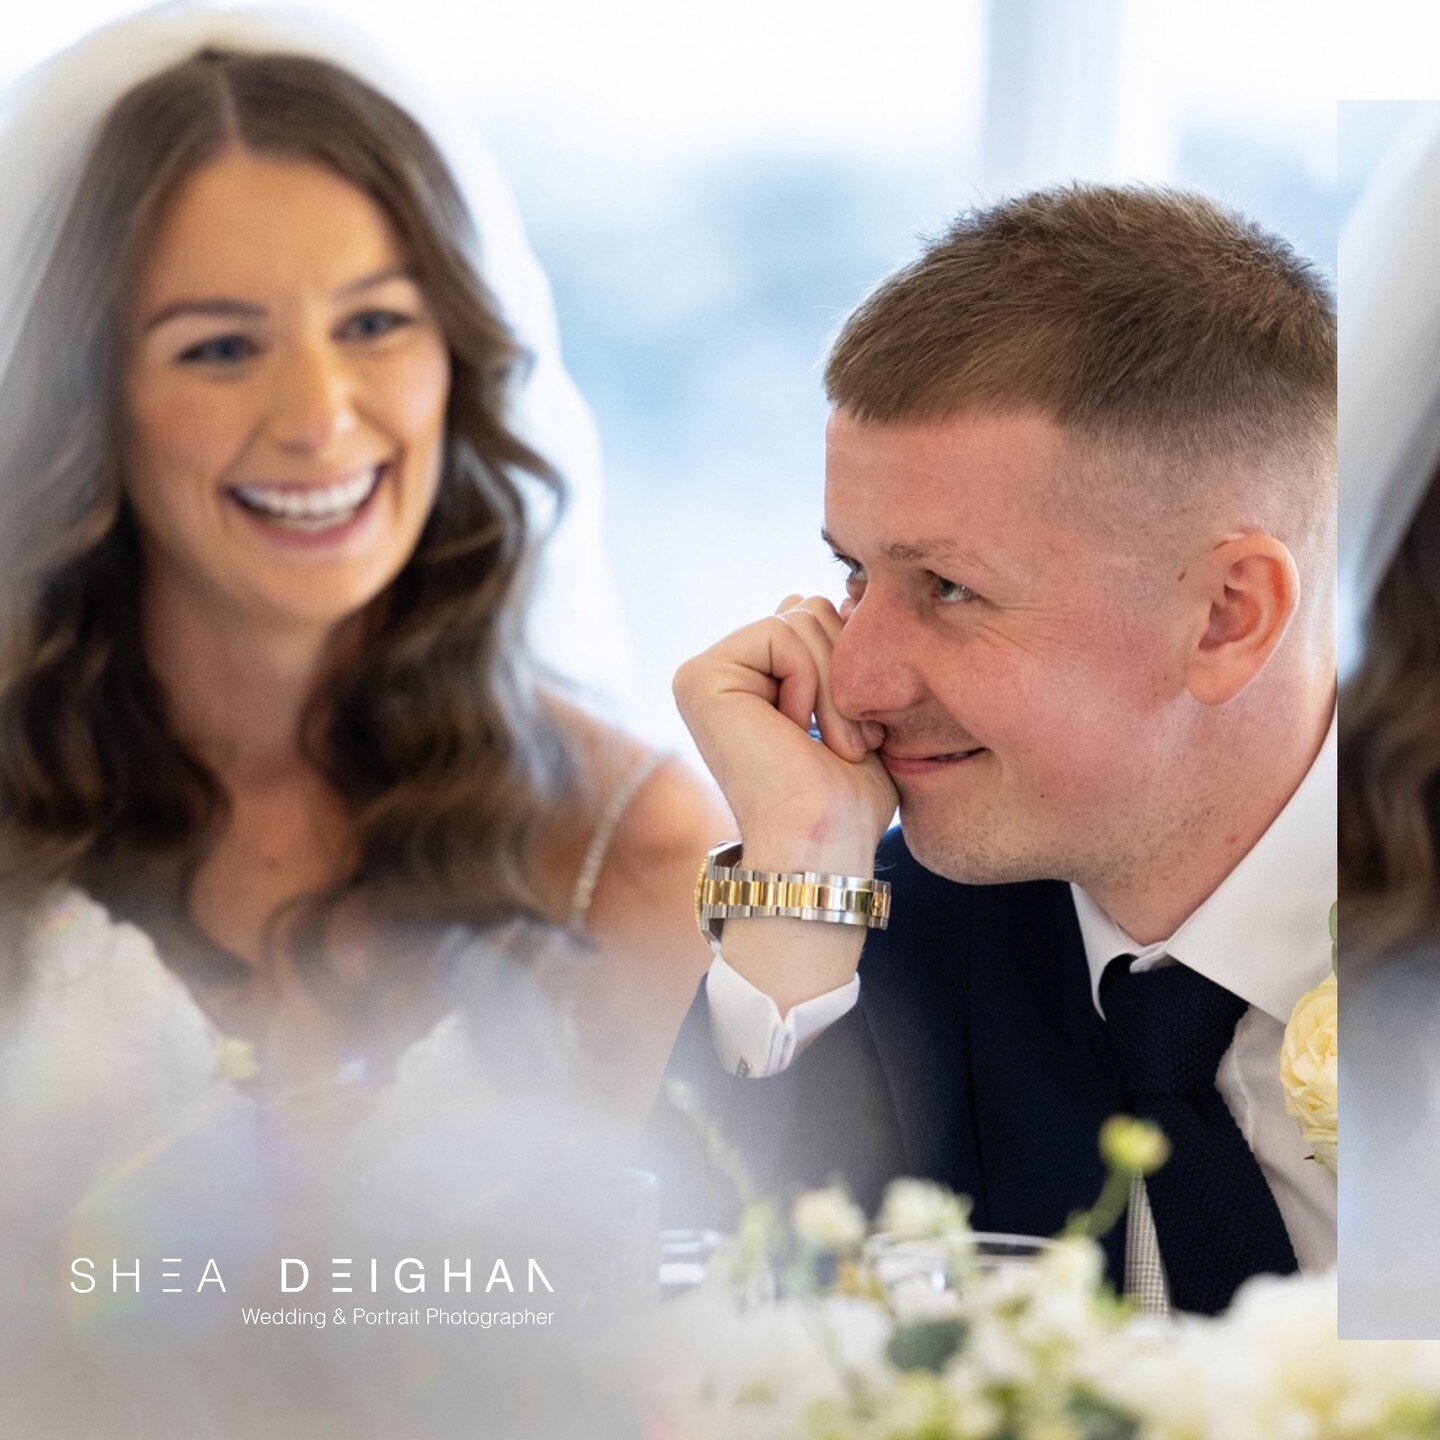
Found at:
<point>975,1057</point>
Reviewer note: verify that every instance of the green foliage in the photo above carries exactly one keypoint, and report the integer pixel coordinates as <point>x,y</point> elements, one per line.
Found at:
<point>926,1344</point>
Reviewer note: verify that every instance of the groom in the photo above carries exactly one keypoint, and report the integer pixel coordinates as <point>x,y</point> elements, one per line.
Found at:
<point>1080,477</point>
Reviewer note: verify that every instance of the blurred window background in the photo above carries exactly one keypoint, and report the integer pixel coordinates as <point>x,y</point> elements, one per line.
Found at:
<point>711,187</point>
<point>1365,130</point>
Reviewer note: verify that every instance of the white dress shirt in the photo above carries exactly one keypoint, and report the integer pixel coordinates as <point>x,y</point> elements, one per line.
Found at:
<point>1261,934</point>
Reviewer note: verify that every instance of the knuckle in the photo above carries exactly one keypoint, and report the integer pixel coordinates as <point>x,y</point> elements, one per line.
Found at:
<point>685,683</point>
<point>784,635</point>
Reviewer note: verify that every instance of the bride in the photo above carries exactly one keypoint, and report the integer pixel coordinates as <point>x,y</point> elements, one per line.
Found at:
<point>275,462</point>
<point>328,919</point>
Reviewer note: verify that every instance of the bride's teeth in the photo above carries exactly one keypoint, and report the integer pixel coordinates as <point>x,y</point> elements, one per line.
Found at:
<point>313,507</point>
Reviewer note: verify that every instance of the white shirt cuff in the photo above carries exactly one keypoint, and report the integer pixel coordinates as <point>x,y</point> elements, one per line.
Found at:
<point>745,1025</point>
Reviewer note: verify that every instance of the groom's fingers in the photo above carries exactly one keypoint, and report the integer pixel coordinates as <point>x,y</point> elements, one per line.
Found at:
<point>785,660</point>
<point>832,726</point>
<point>747,702</point>
<point>765,660</point>
<point>871,735</point>
<point>823,611</point>
<point>840,734</point>
<point>794,666</point>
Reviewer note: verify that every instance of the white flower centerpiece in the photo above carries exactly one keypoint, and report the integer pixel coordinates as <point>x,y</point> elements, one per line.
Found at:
<point>798,1334</point>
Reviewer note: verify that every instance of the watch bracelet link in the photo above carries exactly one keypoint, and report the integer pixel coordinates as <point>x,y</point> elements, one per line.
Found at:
<point>726,891</point>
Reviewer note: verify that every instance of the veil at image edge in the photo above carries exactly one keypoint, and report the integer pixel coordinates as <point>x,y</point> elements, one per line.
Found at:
<point>1389,968</point>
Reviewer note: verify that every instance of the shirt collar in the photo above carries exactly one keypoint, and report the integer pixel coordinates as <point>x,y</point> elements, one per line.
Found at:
<point>1262,932</point>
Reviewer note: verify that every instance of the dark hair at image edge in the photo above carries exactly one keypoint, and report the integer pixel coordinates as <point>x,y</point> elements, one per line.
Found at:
<point>1390,758</point>
<point>432,732</point>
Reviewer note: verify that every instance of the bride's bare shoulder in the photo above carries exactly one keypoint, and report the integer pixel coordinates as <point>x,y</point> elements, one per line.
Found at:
<point>651,815</point>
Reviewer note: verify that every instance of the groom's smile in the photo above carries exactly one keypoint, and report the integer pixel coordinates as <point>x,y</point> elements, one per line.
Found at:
<point>912,765</point>
<point>1014,642</point>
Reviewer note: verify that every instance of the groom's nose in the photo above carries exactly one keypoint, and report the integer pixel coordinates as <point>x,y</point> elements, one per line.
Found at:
<point>872,668</point>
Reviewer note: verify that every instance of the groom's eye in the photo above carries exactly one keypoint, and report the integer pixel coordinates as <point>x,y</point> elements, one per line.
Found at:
<point>854,574</point>
<point>951,592</point>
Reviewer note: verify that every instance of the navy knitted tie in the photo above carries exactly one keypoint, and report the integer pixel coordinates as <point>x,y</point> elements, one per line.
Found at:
<point>1215,1217</point>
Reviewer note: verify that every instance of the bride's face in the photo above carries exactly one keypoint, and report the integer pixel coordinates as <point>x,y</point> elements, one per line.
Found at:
<point>285,392</point>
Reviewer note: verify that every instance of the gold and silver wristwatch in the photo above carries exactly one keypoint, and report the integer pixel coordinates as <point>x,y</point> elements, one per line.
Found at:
<point>723,889</point>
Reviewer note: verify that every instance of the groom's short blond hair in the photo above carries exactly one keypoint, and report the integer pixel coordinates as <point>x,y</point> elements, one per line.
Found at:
<point>1151,321</point>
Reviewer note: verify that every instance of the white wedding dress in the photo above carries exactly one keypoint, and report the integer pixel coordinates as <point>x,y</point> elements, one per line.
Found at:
<point>111,1043</point>
<point>131,1136</point>
<point>110,1054</point>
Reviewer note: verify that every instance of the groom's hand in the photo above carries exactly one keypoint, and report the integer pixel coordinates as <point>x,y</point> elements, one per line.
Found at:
<point>801,804</point>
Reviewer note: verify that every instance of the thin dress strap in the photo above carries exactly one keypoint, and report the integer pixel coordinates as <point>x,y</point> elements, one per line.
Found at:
<point>595,853</point>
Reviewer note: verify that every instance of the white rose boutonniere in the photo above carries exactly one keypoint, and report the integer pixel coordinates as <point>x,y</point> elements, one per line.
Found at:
<point>1309,1064</point>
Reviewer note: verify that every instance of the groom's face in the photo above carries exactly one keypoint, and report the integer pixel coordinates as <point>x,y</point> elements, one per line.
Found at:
<point>1023,654</point>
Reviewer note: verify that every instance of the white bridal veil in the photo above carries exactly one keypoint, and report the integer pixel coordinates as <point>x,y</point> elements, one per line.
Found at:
<point>48,119</point>
<point>1389,362</point>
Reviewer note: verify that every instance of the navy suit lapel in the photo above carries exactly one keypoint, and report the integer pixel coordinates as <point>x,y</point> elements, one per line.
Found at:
<point>1039,1071</point>
<point>978,1002</point>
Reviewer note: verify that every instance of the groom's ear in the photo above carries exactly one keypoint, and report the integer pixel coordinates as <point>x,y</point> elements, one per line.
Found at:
<point>1246,590</point>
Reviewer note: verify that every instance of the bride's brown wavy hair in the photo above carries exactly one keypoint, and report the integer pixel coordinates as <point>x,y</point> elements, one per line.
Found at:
<point>432,733</point>
<point>1390,756</point>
